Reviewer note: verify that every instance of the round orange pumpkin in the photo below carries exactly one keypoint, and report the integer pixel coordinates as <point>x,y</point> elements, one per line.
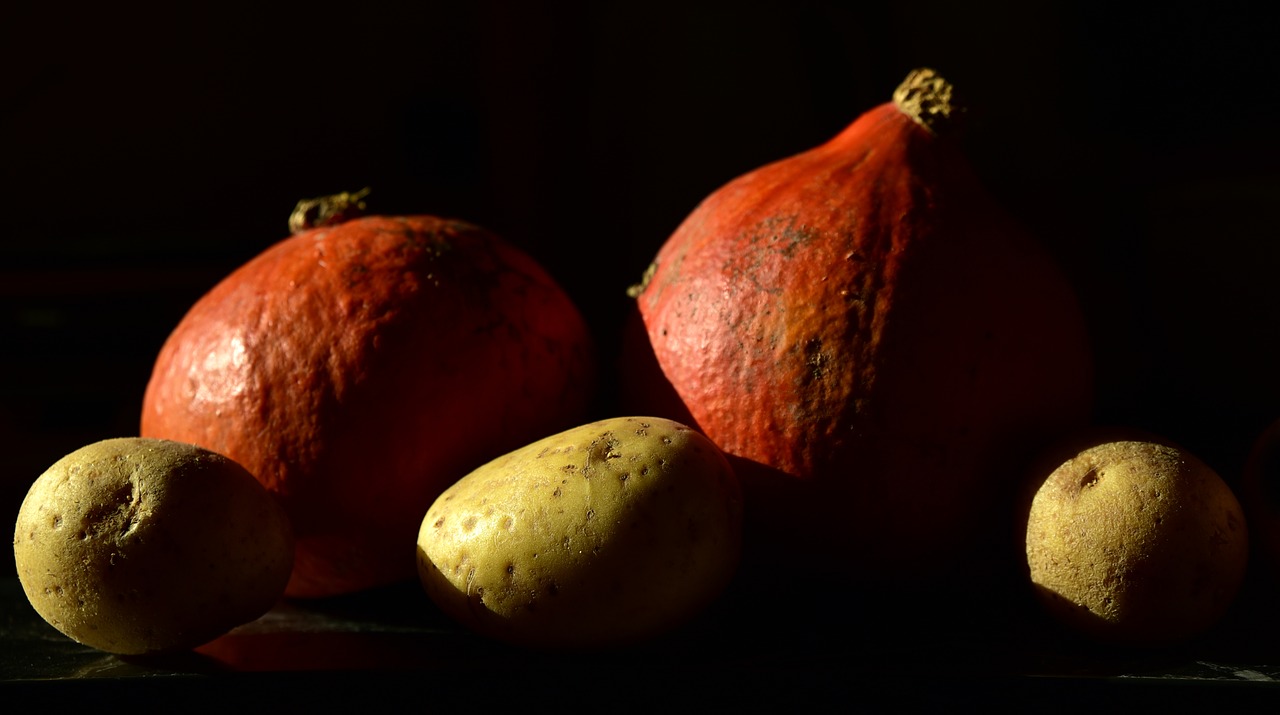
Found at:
<point>360,369</point>
<point>871,339</point>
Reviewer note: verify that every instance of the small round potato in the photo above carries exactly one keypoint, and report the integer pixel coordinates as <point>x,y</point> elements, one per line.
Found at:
<point>1136,543</point>
<point>606,534</point>
<point>136,546</point>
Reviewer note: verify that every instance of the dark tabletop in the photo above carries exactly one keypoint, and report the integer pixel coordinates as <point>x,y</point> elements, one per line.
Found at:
<point>377,648</point>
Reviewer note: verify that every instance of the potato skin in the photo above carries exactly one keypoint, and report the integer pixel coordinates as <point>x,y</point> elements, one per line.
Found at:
<point>601,535</point>
<point>1136,543</point>
<point>136,546</point>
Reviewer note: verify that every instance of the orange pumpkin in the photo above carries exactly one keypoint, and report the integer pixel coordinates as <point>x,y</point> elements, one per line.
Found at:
<point>360,369</point>
<point>872,340</point>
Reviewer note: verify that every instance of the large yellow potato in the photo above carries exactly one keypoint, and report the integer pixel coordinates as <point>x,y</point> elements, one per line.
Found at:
<point>601,535</point>
<point>137,546</point>
<point>1136,542</point>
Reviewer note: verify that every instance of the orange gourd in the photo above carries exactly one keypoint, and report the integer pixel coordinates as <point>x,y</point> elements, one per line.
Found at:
<point>358,369</point>
<point>873,341</point>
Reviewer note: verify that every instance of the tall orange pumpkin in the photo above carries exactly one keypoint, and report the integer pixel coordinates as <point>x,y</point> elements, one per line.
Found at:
<point>871,339</point>
<point>361,368</point>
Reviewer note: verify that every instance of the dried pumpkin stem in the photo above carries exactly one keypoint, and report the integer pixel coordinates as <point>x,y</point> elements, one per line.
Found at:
<point>927,98</point>
<point>327,210</point>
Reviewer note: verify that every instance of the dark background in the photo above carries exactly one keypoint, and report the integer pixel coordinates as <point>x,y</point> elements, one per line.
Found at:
<point>146,152</point>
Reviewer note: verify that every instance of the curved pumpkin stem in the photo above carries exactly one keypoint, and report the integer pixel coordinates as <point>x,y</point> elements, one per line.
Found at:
<point>927,98</point>
<point>327,210</point>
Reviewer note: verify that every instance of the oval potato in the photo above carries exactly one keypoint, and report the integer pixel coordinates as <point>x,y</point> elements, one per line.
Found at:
<point>136,546</point>
<point>605,534</point>
<point>1136,542</point>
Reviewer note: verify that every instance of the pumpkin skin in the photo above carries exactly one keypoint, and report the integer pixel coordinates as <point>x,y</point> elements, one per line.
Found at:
<point>358,370</point>
<point>875,344</point>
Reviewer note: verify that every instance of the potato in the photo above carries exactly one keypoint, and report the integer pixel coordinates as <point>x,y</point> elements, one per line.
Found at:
<point>1136,543</point>
<point>136,546</point>
<point>606,534</point>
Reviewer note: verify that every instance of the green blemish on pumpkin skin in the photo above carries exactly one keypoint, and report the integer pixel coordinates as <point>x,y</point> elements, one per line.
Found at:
<point>795,238</point>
